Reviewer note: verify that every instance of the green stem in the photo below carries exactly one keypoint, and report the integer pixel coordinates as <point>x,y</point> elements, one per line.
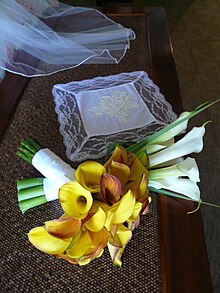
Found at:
<point>25,205</point>
<point>31,192</point>
<point>34,144</point>
<point>28,149</point>
<point>173,194</point>
<point>28,183</point>
<point>24,157</point>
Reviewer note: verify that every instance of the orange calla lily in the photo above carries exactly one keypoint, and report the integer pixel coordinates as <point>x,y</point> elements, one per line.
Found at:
<point>119,155</point>
<point>63,228</point>
<point>110,189</point>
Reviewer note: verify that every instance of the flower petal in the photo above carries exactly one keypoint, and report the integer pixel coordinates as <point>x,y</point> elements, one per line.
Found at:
<point>88,174</point>
<point>153,148</point>
<point>121,236</point>
<point>110,189</point>
<point>75,200</point>
<point>45,242</point>
<point>116,254</point>
<point>137,168</point>
<point>63,228</point>
<point>136,211</point>
<point>190,143</point>
<point>80,244</point>
<point>119,155</point>
<point>120,211</point>
<point>182,186</point>
<point>121,171</point>
<point>97,221</point>
<point>171,131</point>
<point>188,167</point>
<point>100,240</point>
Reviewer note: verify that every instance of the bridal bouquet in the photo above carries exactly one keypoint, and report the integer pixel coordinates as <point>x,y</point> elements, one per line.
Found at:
<point>102,203</point>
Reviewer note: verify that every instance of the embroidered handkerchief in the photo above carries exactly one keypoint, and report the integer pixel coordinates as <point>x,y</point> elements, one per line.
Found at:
<point>98,112</point>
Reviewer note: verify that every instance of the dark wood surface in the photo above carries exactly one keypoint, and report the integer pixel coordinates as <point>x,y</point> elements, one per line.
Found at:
<point>184,260</point>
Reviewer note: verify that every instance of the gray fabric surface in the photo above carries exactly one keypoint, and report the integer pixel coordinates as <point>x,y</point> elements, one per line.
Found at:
<point>23,267</point>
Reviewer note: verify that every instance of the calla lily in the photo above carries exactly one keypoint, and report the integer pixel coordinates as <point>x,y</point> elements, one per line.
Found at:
<point>188,168</point>
<point>119,155</point>
<point>45,242</point>
<point>87,245</point>
<point>181,185</point>
<point>119,212</point>
<point>116,254</point>
<point>136,167</point>
<point>139,187</point>
<point>75,200</point>
<point>80,244</point>
<point>97,221</point>
<point>119,170</point>
<point>88,174</point>
<point>120,235</point>
<point>175,128</point>
<point>153,148</point>
<point>63,228</point>
<point>170,130</point>
<point>191,143</point>
<point>136,211</point>
<point>110,189</point>
<point>99,240</point>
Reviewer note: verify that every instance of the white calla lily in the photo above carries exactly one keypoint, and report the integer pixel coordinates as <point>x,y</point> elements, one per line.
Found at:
<point>171,162</point>
<point>153,148</point>
<point>183,186</point>
<point>175,128</point>
<point>191,143</point>
<point>188,168</point>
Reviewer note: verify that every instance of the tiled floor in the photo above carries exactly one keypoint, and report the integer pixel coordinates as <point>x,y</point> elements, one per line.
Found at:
<point>195,33</point>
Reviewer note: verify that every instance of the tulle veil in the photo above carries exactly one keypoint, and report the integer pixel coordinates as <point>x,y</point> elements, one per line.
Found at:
<point>45,36</point>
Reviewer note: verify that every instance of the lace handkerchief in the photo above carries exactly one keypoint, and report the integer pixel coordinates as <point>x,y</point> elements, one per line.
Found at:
<point>98,112</point>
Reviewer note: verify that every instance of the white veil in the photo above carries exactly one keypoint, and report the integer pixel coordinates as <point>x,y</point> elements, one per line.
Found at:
<point>30,47</point>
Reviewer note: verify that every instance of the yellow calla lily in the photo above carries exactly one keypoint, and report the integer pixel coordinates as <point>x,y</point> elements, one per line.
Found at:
<point>136,211</point>
<point>120,211</point>
<point>89,174</point>
<point>139,187</point>
<point>80,245</point>
<point>121,235</point>
<point>97,221</point>
<point>45,242</point>
<point>75,200</point>
<point>100,240</point>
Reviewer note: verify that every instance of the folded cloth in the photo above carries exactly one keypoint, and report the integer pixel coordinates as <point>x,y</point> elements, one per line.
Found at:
<point>95,113</point>
<point>82,35</point>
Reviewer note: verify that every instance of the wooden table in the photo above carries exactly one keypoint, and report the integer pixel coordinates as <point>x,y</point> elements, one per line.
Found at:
<point>184,260</point>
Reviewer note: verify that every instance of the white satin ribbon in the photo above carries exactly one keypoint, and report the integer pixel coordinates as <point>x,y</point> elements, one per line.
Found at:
<point>54,169</point>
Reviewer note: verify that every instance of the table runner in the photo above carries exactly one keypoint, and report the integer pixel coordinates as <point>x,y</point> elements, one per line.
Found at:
<point>24,269</point>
